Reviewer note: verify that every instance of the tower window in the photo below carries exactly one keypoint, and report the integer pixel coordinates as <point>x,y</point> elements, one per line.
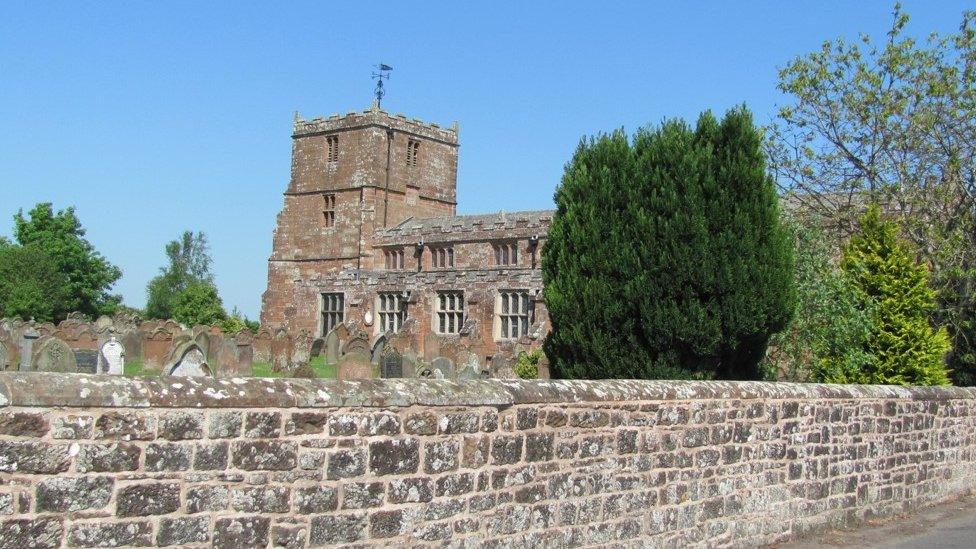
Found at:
<point>333,311</point>
<point>450,312</point>
<point>392,310</point>
<point>393,259</point>
<point>328,209</point>
<point>514,313</point>
<point>333,141</point>
<point>442,258</point>
<point>506,254</point>
<point>413,150</point>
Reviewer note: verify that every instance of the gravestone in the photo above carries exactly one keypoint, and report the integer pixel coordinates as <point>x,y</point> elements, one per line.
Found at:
<point>391,364</point>
<point>470,368</point>
<point>281,351</point>
<point>442,368</point>
<point>27,341</point>
<point>132,341</point>
<point>4,357</point>
<point>245,353</point>
<point>317,346</point>
<point>501,367</point>
<point>54,355</point>
<point>358,344</point>
<point>303,348</point>
<point>227,358</point>
<point>409,361</point>
<point>111,358</point>
<point>262,345</point>
<point>192,363</point>
<point>87,361</point>
<point>379,349</point>
<point>332,347</point>
<point>354,366</point>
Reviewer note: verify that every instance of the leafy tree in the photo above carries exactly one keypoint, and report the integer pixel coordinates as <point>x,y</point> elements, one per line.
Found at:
<point>31,284</point>
<point>88,275</point>
<point>825,339</point>
<point>189,262</point>
<point>199,304</point>
<point>902,347</point>
<point>892,122</point>
<point>666,257</point>
<point>237,321</point>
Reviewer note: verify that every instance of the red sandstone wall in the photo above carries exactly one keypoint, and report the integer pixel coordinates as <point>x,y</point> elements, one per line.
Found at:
<point>90,461</point>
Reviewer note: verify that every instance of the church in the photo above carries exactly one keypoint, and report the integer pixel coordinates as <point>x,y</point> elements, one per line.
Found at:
<point>369,243</point>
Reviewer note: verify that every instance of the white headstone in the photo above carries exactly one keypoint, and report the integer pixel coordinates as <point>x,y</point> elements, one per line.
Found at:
<point>192,364</point>
<point>111,360</point>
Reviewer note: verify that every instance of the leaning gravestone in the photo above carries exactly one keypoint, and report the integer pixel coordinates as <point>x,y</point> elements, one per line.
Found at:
<point>87,361</point>
<point>54,355</point>
<point>111,359</point>
<point>192,363</point>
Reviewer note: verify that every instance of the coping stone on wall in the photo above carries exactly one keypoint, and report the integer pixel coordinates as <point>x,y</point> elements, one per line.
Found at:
<point>82,390</point>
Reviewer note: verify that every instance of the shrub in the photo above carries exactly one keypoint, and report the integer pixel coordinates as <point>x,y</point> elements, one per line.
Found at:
<point>901,347</point>
<point>527,364</point>
<point>666,257</point>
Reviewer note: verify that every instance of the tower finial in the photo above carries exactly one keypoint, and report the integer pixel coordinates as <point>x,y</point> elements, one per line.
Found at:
<point>383,74</point>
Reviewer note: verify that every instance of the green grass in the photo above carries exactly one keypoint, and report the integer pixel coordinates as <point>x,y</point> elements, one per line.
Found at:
<point>322,370</point>
<point>134,369</point>
<point>258,369</point>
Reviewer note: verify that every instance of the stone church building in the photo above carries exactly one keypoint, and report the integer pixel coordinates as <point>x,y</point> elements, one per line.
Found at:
<point>369,242</point>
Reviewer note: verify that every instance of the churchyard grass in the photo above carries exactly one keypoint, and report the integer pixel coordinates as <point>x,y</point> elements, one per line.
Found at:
<point>258,369</point>
<point>322,370</point>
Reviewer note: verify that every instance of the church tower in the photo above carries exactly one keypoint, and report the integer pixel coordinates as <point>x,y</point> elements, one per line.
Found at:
<point>352,175</point>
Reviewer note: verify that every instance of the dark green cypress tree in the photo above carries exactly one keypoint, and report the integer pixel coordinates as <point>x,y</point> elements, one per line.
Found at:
<point>666,259</point>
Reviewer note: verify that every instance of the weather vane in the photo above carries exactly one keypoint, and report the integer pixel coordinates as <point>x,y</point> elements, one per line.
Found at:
<point>379,77</point>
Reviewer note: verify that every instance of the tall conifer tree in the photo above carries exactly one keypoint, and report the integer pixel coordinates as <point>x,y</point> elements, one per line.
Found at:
<point>901,347</point>
<point>666,258</point>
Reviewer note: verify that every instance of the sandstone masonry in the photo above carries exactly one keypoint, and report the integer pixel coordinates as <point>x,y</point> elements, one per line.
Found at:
<point>101,461</point>
<point>369,237</point>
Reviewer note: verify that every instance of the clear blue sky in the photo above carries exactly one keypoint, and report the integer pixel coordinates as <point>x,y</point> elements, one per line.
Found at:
<point>154,118</point>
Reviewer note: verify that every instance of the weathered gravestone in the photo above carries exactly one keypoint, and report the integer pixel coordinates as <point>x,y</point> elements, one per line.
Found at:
<point>4,357</point>
<point>27,341</point>
<point>302,349</point>
<point>379,349</point>
<point>317,347</point>
<point>282,347</point>
<point>354,366</point>
<point>54,355</point>
<point>409,361</point>
<point>470,368</point>
<point>391,364</point>
<point>245,353</point>
<point>501,367</point>
<point>87,360</point>
<point>442,368</point>
<point>358,344</point>
<point>192,363</point>
<point>111,358</point>
<point>332,347</point>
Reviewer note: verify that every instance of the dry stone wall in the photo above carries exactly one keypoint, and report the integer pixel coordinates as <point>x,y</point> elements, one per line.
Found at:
<point>106,461</point>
